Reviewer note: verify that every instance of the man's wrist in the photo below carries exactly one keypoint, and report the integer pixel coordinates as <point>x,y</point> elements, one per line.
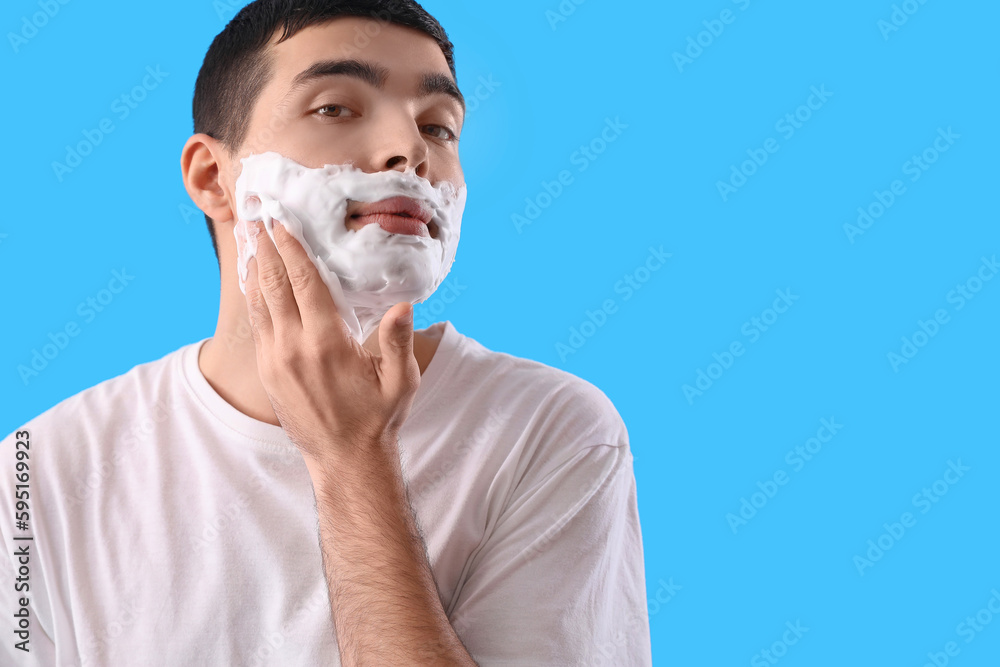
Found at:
<point>356,458</point>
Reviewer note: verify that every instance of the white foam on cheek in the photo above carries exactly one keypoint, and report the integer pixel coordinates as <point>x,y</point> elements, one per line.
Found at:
<point>366,271</point>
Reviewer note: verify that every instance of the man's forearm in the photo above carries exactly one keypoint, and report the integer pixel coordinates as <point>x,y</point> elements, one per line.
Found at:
<point>386,608</point>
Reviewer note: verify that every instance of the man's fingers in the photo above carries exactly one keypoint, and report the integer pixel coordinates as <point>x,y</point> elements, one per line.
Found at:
<point>315,305</point>
<point>272,278</point>
<point>260,319</point>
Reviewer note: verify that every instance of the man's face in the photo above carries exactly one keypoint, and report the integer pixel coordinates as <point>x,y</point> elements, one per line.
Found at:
<point>359,91</point>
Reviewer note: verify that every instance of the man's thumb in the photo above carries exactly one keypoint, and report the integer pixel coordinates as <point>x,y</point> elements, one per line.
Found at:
<point>396,342</point>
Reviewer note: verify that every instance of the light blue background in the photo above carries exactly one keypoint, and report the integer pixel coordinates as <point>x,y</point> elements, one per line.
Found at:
<point>655,185</point>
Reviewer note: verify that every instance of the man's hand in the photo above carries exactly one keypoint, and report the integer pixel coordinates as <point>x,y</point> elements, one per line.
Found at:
<point>331,395</point>
<point>343,407</point>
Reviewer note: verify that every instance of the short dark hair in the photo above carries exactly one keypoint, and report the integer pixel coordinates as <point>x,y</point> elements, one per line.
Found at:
<point>237,66</point>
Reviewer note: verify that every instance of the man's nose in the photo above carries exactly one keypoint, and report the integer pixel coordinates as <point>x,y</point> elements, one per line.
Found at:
<point>401,146</point>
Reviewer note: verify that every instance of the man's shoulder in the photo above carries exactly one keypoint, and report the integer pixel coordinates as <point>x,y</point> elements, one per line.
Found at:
<point>544,438</point>
<point>553,399</point>
<point>107,402</point>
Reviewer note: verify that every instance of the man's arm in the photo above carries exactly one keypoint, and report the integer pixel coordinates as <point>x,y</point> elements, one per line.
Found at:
<point>343,407</point>
<point>386,607</point>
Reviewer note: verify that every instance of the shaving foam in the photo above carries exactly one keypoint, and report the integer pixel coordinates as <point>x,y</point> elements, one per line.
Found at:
<point>368,270</point>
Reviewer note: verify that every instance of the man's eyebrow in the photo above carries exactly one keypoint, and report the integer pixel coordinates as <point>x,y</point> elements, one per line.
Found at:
<point>439,83</point>
<point>374,75</point>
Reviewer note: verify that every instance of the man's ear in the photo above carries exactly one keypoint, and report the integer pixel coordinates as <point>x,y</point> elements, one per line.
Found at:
<point>202,166</point>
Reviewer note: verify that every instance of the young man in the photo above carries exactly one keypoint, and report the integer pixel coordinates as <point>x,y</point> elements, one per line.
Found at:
<point>292,497</point>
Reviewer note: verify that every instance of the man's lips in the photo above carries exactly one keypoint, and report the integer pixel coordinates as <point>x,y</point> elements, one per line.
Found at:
<point>398,215</point>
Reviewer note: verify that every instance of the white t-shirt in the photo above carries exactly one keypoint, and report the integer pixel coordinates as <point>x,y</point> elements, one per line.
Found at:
<point>171,529</point>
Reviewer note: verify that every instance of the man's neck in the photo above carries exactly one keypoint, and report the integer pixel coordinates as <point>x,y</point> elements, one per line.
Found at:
<point>229,363</point>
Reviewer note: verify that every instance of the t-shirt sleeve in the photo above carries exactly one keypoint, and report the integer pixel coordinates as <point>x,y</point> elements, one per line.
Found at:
<point>17,586</point>
<point>560,580</point>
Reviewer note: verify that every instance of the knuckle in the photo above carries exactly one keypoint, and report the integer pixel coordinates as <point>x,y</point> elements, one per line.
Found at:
<point>301,277</point>
<point>288,355</point>
<point>255,298</point>
<point>255,333</point>
<point>321,349</point>
<point>271,278</point>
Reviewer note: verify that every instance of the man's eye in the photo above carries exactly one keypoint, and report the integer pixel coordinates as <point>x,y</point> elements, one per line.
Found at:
<point>440,132</point>
<point>338,111</point>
